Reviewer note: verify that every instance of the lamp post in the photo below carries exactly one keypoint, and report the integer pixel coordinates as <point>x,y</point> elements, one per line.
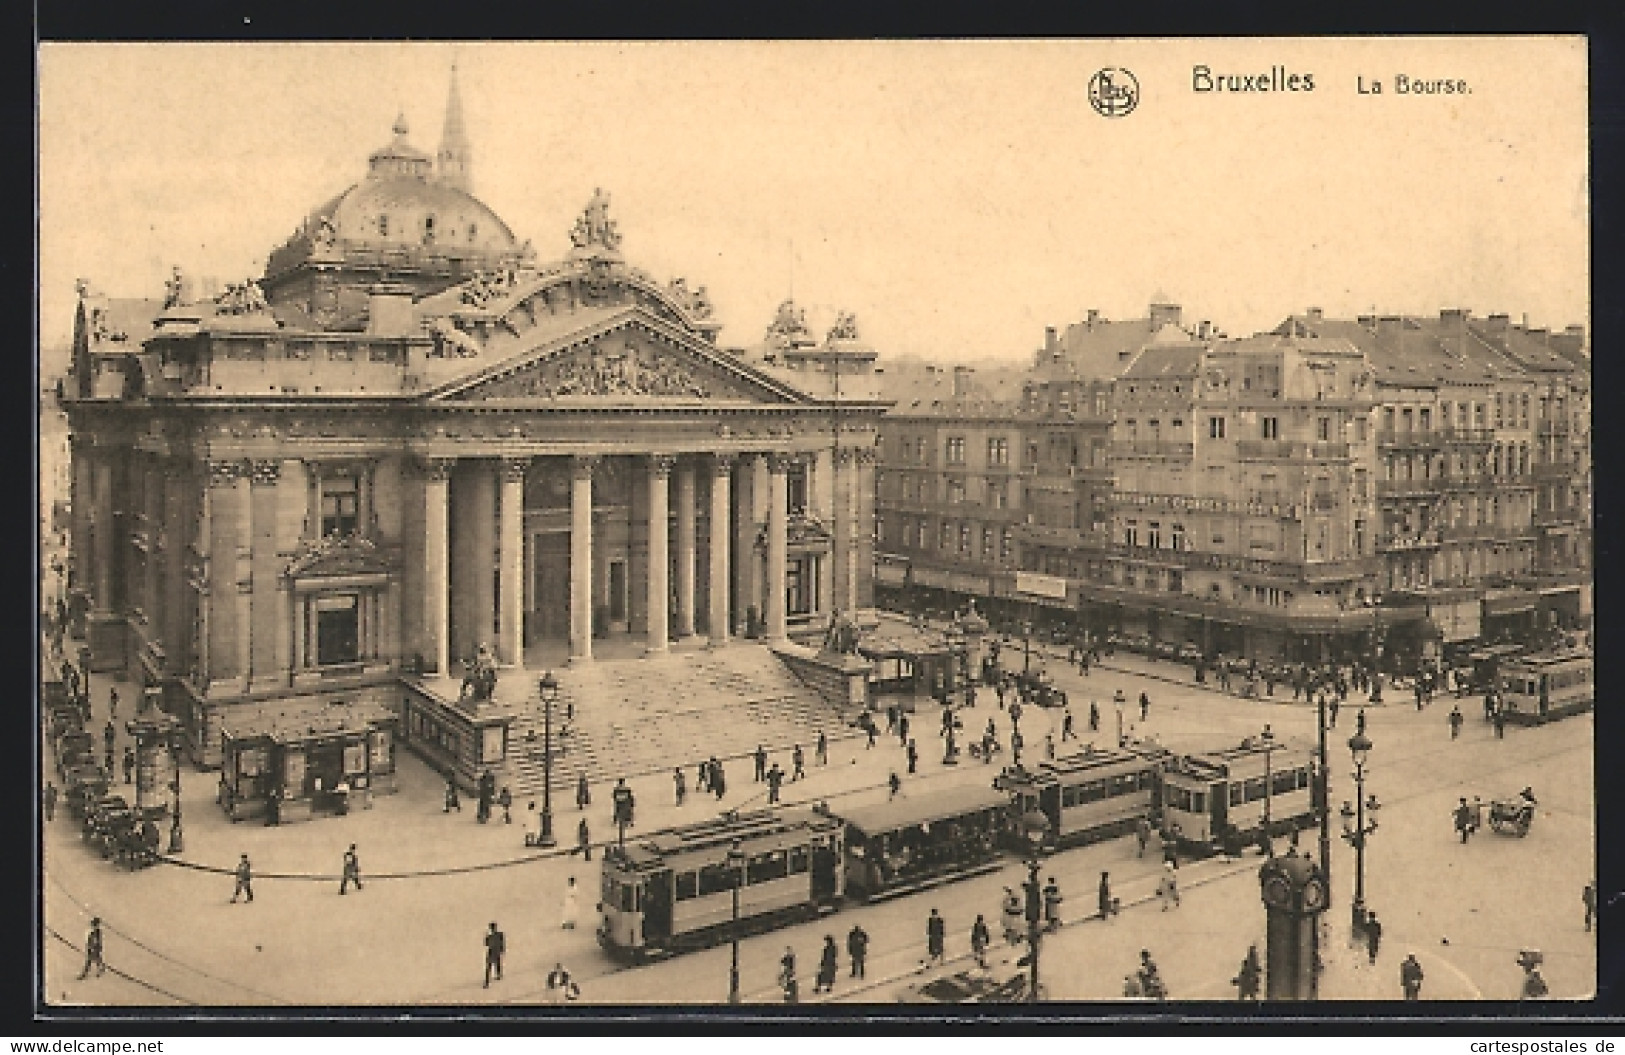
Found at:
<point>1026,646</point>
<point>1268,739</point>
<point>1036,827</point>
<point>1323,788</point>
<point>548,689</point>
<point>736,869</point>
<point>1356,829</point>
<point>177,836</point>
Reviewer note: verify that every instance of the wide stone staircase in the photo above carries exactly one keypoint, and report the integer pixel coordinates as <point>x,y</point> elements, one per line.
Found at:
<point>639,716</point>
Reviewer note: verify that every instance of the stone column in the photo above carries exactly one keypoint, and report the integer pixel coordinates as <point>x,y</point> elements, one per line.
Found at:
<point>757,559</point>
<point>581,469</point>
<point>778,509</point>
<point>686,555</point>
<point>267,660</point>
<point>721,499</point>
<point>437,562</point>
<point>744,543</point>
<point>841,595</point>
<point>473,559</point>
<point>219,659</point>
<point>245,569</point>
<point>864,531</point>
<point>660,466</point>
<point>104,529</point>
<point>511,543</point>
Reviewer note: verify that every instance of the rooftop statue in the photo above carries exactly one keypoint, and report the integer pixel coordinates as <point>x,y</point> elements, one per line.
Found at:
<point>593,226</point>
<point>845,328</point>
<point>789,326</point>
<point>241,298</point>
<point>175,288</point>
<point>842,635</point>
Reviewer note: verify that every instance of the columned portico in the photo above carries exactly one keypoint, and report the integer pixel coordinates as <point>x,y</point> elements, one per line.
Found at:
<point>660,466</point>
<point>685,549</point>
<point>721,493</point>
<point>511,544</point>
<point>778,507</point>
<point>581,470</point>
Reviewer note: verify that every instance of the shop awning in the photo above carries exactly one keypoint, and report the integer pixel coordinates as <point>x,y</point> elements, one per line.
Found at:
<point>1508,602</point>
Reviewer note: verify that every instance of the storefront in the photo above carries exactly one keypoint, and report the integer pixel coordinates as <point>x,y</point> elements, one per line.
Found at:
<point>292,767</point>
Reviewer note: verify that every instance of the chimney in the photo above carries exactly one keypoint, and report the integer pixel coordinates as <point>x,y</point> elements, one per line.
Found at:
<point>1052,347</point>
<point>1454,320</point>
<point>1315,314</point>
<point>1389,325</point>
<point>1163,314</point>
<point>1497,324</point>
<point>389,310</point>
<point>1094,317</point>
<point>962,380</point>
<point>1368,321</point>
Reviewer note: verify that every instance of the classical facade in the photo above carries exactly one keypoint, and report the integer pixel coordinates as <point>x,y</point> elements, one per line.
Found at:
<point>409,441</point>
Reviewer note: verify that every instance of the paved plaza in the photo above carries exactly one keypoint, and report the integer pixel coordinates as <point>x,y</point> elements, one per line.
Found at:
<point>435,880</point>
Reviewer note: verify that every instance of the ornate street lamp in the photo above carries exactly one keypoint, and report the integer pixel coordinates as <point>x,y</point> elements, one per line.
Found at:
<point>736,869</point>
<point>177,836</point>
<point>548,689</point>
<point>1356,828</point>
<point>1035,826</point>
<point>1026,646</point>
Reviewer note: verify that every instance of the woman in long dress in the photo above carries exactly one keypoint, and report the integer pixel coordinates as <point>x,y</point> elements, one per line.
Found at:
<point>571,892</point>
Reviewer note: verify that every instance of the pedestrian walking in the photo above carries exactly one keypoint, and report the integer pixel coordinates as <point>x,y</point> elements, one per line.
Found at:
<point>1500,724</point>
<point>583,793</point>
<point>1142,834</point>
<point>245,880</point>
<point>48,800</point>
<point>828,962</point>
<point>902,728</point>
<point>1170,847</point>
<point>1455,722</point>
<point>1066,726</point>
<point>1013,916</point>
<point>623,802</point>
<point>487,795</point>
<point>1016,744</point>
<point>857,947</point>
<point>979,940</point>
<point>1049,746</point>
<point>787,976</point>
<point>1094,717</point>
<point>869,730</point>
<point>719,779</point>
<point>352,870</point>
<point>1145,706</point>
<point>1247,977</point>
<point>760,758</point>
<point>495,945</point>
<point>679,784</point>
<point>109,737</point>
<point>1052,905</point>
<point>821,751</point>
<point>93,950</point>
<point>798,766</point>
<point>1464,820</point>
<point>894,784</point>
<point>452,802</point>
<point>1168,887</point>
<point>129,764</point>
<point>533,825</point>
<point>571,896</point>
<point>1150,978</point>
<point>1105,902</point>
<point>913,757</point>
<point>1534,986</point>
<point>936,934</point>
<point>1410,977</point>
<point>1373,936</point>
<point>1331,713</point>
<point>112,703</point>
<point>584,840</point>
<point>1588,898</point>
<point>775,780</point>
<point>505,800</point>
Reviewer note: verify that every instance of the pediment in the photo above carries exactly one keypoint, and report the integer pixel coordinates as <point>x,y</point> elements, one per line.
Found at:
<point>631,358</point>
<point>339,557</point>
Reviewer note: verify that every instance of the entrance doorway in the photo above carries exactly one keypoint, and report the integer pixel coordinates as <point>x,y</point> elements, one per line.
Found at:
<point>617,596</point>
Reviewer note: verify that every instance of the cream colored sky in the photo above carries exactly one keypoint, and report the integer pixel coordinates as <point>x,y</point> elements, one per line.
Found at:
<point>957,196</point>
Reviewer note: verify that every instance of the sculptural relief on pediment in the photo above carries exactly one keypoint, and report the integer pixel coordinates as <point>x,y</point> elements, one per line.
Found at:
<point>618,366</point>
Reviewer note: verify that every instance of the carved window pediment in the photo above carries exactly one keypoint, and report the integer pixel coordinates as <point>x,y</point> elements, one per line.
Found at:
<point>339,556</point>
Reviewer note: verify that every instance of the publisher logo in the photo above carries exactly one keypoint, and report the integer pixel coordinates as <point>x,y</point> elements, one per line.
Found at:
<point>1114,92</point>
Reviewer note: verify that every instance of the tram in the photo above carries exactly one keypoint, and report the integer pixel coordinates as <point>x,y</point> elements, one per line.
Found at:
<point>1544,686</point>
<point>674,890</point>
<point>1219,800</point>
<point>1092,794</point>
<point>901,845</point>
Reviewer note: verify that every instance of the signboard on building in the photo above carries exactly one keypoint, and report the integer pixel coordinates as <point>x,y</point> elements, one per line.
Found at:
<point>1032,582</point>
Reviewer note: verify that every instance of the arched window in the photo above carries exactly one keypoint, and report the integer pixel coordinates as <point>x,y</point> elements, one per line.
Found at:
<point>428,229</point>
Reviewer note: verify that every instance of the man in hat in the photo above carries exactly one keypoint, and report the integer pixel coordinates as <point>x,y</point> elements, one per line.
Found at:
<point>1410,977</point>
<point>352,870</point>
<point>1464,820</point>
<point>93,949</point>
<point>245,880</point>
<point>496,943</point>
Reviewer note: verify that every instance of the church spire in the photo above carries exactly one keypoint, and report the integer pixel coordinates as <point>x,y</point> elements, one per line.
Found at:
<point>456,159</point>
